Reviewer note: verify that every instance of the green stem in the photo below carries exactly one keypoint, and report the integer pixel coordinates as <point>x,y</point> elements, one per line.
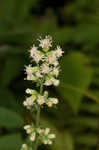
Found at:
<point>38,117</point>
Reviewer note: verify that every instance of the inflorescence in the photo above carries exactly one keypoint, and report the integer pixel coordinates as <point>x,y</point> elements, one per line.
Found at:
<point>44,73</point>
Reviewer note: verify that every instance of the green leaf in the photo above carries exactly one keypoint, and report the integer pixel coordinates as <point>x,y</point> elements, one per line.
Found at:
<point>10,142</point>
<point>87,139</point>
<point>10,119</point>
<point>7,100</point>
<point>64,141</point>
<point>16,10</point>
<point>90,108</point>
<point>13,67</point>
<point>75,76</point>
<point>87,122</point>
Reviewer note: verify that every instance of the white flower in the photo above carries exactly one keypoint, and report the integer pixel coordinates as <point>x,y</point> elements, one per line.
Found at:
<point>55,100</point>
<point>51,101</point>
<point>37,57</point>
<point>52,58</point>
<point>28,91</point>
<point>51,136</point>
<point>56,71</point>
<point>40,100</point>
<point>38,74</point>
<point>33,51</point>
<point>45,69</point>
<point>47,130</point>
<point>27,127</point>
<point>29,102</point>
<point>28,131</point>
<point>59,51</point>
<point>29,70</point>
<point>46,43</point>
<point>45,142</point>
<point>31,77</point>
<point>48,82</point>
<point>35,54</point>
<point>49,142</point>
<point>40,131</point>
<point>55,63</point>
<point>33,136</point>
<point>55,81</point>
<point>24,147</point>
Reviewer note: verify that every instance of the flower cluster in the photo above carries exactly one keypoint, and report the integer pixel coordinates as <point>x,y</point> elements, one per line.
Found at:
<point>43,134</point>
<point>47,63</point>
<point>44,73</point>
<point>36,99</point>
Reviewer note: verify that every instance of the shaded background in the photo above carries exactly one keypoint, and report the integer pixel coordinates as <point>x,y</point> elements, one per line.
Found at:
<point>74,24</point>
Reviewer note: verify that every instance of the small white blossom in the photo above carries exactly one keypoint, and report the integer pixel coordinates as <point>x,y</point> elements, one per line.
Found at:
<point>28,129</point>
<point>46,43</point>
<point>33,136</point>
<point>46,142</point>
<point>37,57</point>
<point>51,81</point>
<point>51,136</point>
<point>40,100</point>
<point>47,130</point>
<point>29,102</point>
<point>24,147</point>
<point>38,74</point>
<point>47,137</point>
<point>36,54</point>
<point>40,131</point>
<point>51,101</point>
<point>49,142</point>
<point>55,63</point>
<point>56,71</point>
<point>59,51</point>
<point>33,51</point>
<point>45,69</point>
<point>52,58</point>
<point>29,70</point>
<point>31,77</point>
<point>55,82</point>
<point>50,104</point>
<point>28,91</point>
<point>55,100</point>
<point>48,82</point>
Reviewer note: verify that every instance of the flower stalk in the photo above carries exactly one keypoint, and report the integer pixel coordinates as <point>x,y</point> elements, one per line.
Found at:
<point>38,118</point>
<point>44,73</point>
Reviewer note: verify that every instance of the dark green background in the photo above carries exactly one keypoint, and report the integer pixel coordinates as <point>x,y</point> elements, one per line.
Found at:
<point>74,24</point>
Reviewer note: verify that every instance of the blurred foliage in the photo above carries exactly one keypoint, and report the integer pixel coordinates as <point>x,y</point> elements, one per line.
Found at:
<point>75,25</point>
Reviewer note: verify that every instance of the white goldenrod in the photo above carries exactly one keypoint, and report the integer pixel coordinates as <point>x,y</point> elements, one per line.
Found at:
<point>44,73</point>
